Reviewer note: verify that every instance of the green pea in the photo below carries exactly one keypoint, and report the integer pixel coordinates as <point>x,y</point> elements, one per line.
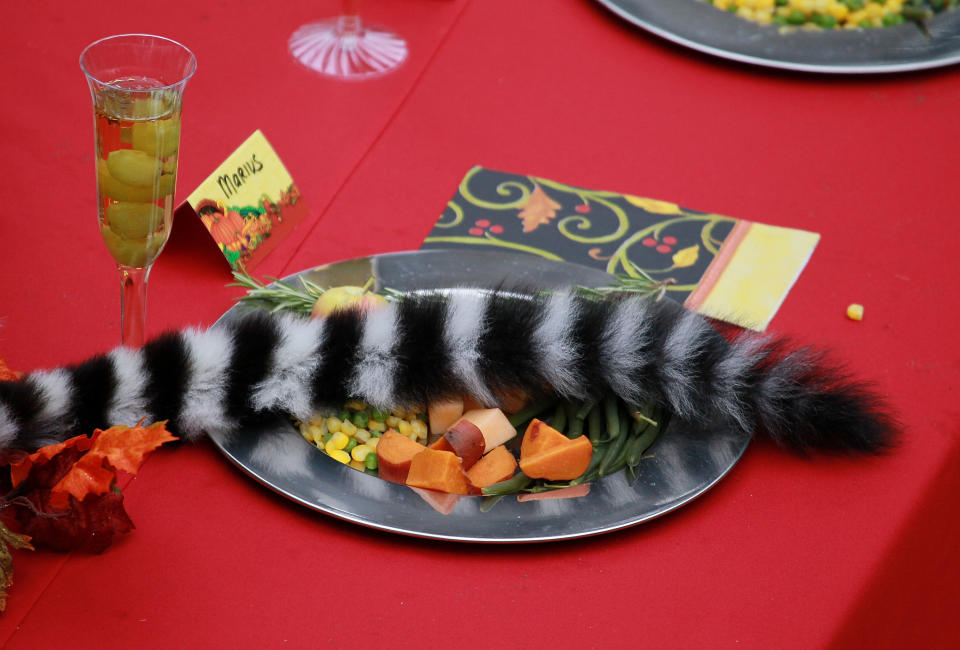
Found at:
<point>371,461</point>
<point>361,419</point>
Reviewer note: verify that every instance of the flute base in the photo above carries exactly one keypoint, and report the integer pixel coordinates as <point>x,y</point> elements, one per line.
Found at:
<point>344,48</point>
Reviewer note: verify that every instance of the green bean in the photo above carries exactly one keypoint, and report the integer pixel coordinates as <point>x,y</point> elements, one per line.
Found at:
<point>615,450</point>
<point>640,444</point>
<point>593,467</point>
<point>595,426</point>
<point>916,13</point>
<point>577,415</point>
<point>584,408</point>
<point>612,413</point>
<point>531,411</point>
<point>489,502</point>
<point>510,486</point>
<point>559,419</point>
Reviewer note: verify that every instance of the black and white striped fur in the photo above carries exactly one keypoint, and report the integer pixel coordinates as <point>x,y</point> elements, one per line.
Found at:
<point>429,346</point>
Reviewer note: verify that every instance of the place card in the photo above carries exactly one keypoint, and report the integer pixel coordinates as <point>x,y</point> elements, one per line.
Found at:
<point>732,269</point>
<point>248,204</point>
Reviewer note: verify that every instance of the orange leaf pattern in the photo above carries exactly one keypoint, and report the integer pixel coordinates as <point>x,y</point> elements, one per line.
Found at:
<point>538,210</point>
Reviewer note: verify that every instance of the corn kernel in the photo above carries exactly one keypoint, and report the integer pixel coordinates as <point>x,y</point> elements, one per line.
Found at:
<point>338,440</point>
<point>359,453</point>
<point>356,405</point>
<point>355,464</point>
<point>404,428</point>
<point>362,435</point>
<point>420,428</point>
<point>340,455</point>
<point>333,424</point>
<point>839,11</point>
<point>855,312</point>
<point>306,432</point>
<point>373,442</point>
<point>348,428</point>
<point>374,425</point>
<point>393,421</point>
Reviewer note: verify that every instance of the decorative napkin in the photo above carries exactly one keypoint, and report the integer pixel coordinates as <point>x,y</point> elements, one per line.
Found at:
<point>727,268</point>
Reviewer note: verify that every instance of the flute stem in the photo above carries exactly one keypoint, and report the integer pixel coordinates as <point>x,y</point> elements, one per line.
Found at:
<point>133,305</point>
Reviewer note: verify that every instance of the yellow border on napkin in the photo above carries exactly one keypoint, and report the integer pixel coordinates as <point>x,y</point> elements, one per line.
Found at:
<point>753,273</point>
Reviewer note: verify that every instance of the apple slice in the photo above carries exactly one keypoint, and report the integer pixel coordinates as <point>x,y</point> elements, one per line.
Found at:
<point>345,297</point>
<point>493,424</point>
<point>441,415</point>
<point>467,441</point>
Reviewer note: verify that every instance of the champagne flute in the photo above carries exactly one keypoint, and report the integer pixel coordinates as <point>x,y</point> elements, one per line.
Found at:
<point>345,48</point>
<point>136,82</point>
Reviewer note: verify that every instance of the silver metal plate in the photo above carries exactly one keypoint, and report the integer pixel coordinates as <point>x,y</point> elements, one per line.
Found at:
<point>683,464</point>
<point>700,26</point>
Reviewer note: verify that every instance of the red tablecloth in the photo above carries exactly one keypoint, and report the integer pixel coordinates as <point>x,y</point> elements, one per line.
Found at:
<point>784,553</point>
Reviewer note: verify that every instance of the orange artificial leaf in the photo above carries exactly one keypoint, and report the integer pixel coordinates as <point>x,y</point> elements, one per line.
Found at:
<point>6,374</point>
<point>538,210</point>
<point>87,476</point>
<point>117,448</point>
<point>21,469</point>
<point>126,447</point>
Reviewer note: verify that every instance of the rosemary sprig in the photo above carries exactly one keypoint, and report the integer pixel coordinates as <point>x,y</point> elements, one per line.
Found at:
<point>278,295</point>
<point>642,284</point>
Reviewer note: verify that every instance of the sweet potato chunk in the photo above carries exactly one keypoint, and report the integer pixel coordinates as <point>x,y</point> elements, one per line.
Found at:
<point>437,470</point>
<point>540,436</point>
<point>394,453</point>
<point>498,465</point>
<point>547,453</point>
<point>559,462</point>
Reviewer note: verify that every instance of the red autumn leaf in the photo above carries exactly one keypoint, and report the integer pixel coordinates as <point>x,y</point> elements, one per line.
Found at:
<point>89,525</point>
<point>117,448</point>
<point>21,469</point>
<point>538,210</point>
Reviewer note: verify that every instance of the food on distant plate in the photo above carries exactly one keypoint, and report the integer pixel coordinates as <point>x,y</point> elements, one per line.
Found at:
<point>835,14</point>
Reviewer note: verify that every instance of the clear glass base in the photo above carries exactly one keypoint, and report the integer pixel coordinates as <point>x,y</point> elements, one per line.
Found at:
<point>344,48</point>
